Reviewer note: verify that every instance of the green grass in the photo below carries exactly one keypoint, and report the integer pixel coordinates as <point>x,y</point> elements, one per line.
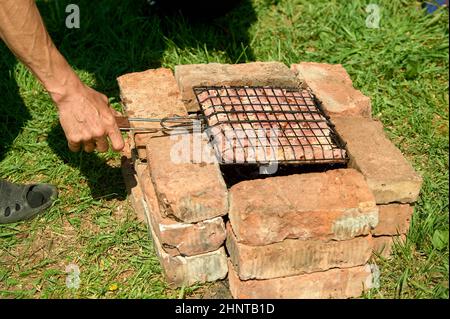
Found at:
<point>402,66</point>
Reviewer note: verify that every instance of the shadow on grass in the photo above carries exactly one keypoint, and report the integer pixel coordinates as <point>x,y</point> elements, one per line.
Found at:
<point>117,37</point>
<point>121,36</point>
<point>13,113</point>
<point>104,181</point>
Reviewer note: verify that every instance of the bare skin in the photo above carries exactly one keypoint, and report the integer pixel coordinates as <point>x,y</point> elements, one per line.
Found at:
<point>84,114</point>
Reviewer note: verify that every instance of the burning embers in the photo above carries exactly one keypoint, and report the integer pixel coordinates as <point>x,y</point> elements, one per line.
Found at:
<point>261,125</point>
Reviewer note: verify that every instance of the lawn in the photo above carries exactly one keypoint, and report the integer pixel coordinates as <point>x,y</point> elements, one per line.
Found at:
<point>402,66</point>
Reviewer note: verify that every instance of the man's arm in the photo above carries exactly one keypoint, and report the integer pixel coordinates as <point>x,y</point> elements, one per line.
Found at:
<point>84,113</point>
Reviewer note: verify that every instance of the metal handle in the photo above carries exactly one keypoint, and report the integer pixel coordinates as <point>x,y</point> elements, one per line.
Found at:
<point>169,123</point>
<point>176,122</point>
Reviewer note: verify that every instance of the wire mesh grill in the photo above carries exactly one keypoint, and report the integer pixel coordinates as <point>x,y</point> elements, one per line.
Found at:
<point>260,125</point>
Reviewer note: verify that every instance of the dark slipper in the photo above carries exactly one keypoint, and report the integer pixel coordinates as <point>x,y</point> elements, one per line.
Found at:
<point>21,202</point>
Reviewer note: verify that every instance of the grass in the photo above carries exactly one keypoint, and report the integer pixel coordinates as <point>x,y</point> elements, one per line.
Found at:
<point>402,66</point>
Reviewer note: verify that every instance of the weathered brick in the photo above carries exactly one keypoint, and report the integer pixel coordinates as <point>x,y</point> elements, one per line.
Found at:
<point>336,204</point>
<point>180,238</point>
<point>389,175</point>
<point>140,144</point>
<point>333,283</point>
<point>149,94</point>
<point>383,245</point>
<point>136,198</point>
<point>186,271</point>
<point>394,219</point>
<point>333,87</point>
<point>293,257</point>
<point>129,176</point>
<point>254,73</point>
<point>188,191</point>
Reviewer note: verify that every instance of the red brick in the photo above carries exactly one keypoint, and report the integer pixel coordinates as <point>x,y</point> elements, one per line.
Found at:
<point>394,219</point>
<point>186,271</point>
<point>336,204</point>
<point>133,190</point>
<point>188,191</point>
<point>333,87</point>
<point>293,257</point>
<point>389,175</point>
<point>254,73</point>
<point>334,283</point>
<point>180,238</point>
<point>149,94</point>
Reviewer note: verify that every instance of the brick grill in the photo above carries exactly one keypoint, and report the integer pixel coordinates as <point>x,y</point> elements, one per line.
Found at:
<point>301,235</point>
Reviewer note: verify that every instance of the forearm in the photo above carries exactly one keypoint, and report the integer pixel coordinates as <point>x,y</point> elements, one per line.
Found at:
<point>84,114</point>
<point>22,29</point>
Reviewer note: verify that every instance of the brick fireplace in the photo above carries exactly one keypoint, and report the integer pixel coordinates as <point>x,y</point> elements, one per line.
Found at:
<point>305,231</point>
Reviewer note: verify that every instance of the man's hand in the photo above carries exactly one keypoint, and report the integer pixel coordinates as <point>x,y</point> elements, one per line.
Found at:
<point>87,120</point>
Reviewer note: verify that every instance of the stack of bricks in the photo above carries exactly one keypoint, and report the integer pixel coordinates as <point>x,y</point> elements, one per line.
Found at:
<point>390,177</point>
<point>183,204</point>
<point>301,236</point>
<point>298,236</point>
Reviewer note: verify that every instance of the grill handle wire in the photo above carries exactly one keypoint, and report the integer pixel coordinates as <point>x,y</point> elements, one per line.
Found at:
<point>174,123</point>
<point>167,124</point>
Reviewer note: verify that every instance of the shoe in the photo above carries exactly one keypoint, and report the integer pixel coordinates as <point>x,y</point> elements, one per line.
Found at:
<point>22,202</point>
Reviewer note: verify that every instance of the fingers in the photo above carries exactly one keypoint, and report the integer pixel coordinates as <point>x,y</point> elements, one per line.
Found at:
<point>99,144</point>
<point>89,146</point>
<point>74,146</point>
<point>88,122</point>
<point>114,134</point>
<point>116,139</point>
<point>102,144</point>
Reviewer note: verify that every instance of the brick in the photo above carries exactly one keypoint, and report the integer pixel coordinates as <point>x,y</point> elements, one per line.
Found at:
<point>140,144</point>
<point>186,271</point>
<point>293,257</point>
<point>180,238</point>
<point>254,73</point>
<point>336,204</point>
<point>389,175</point>
<point>383,245</point>
<point>334,283</point>
<point>333,87</point>
<point>394,219</point>
<point>134,192</point>
<point>188,192</point>
<point>136,198</point>
<point>149,94</point>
